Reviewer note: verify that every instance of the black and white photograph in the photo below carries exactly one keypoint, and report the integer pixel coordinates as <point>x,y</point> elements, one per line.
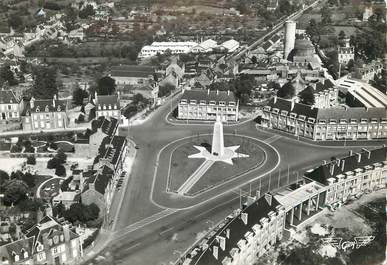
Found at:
<point>193,132</point>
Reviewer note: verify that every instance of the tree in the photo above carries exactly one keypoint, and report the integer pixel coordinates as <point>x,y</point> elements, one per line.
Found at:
<point>3,178</point>
<point>326,15</point>
<point>307,96</point>
<point>45,85</point>
<point>286,91</point>
<point>15,21</point>
<point>106,86</point>
<point>313,30</point>
<point>6,75</point>
<point>60,171</point>
<point>380,81</point>
<point>342,35</point>
<point>30,205</point>
<point>31,160</point>
<point>81,213</point>
<point>78,96</point>
<point>165,90</point>
<point>61,156</point>
<point>87,12</point>
<point>14,191</point>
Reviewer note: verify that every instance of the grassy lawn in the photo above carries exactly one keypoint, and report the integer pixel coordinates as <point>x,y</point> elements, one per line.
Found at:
<point>50,189</point>
<point>182,167</point>
<point>39,179</point>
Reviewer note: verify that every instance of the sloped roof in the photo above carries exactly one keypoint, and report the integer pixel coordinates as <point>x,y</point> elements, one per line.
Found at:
<point>255,212</point>
<point>102,179</point>
<point>322,173</point>
<point>300,109</point>
<point>208,95</point>
<point>7,97</point>
<point>46,105</point>
<point>106,100</point>
<point>352,113</point>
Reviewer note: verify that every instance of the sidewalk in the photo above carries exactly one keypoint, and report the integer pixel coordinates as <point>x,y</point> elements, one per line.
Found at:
<point>23,132</point>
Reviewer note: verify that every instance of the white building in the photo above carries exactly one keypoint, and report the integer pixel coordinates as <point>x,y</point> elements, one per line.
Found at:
<point>161,47</point>
<point>229,46</point>
<point>205,46</point>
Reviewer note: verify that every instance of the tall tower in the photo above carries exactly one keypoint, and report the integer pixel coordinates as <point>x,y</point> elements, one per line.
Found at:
<point>290,37</point>
<point>217,139</point>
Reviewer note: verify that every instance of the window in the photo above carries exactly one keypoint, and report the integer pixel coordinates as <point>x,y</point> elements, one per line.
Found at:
<point>42,124</point>
<point>41,256</point>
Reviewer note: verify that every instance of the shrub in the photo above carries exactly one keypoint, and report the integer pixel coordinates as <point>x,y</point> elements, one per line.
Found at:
<point>60,171</point>
<point>31,160</point>
<point>65,184</point>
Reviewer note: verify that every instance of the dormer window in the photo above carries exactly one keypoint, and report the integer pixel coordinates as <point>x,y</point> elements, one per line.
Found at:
<point>39,247</point>
<point>61,238</point>
<point>24,253</point>
<point>56,240</point>
<point>59,108</point>
<point>50,242</point>
<point>110,106</point>
<point>104,106</point>
<point>37,109</point>
<point>15,256</point>
<point>115,106</point>
<point>46,109</point>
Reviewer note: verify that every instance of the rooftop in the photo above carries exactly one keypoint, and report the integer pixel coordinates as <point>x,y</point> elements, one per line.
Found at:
<point>7,97</point>
<point>132,71</point>
<point>208,95</point>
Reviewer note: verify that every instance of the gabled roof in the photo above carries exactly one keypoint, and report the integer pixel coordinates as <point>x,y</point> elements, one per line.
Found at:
<point>108,100</point>
<point>107,125</point>
<point>322,173</point>
<point>47,105</point>
<point>298,108</point>
<point>8,97</point>
<point>237,229</point>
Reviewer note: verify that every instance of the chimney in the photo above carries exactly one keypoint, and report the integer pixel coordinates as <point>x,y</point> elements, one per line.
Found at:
<point>367,151</point>
<point>358,157</point>
<point>244,217</point>
<point>324,162</point>
<point>342,164</point>
<point>268,198</point>
<point>222,242</point>
<point>217,92</point>
<point>32,102</point>
<point>228,92</point>
<point>66,232</point>
<point>228,232</point>
<point>215,251</point>
<point>275,99</point>
<point>208,91</point>
<point>53,101</point>
<point>332,168</point>
<point>350,153</point>
<point>258,195</point>
<point>292,106</point>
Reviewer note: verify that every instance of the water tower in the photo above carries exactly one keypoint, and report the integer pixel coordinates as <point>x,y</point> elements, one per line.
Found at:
<point>290,37</point>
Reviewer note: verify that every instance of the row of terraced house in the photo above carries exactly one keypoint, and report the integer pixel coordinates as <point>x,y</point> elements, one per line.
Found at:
<point>248,233</point>
<point>47,114</point>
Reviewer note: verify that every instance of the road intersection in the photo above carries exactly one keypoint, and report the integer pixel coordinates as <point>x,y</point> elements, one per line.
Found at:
<point>149,213</point>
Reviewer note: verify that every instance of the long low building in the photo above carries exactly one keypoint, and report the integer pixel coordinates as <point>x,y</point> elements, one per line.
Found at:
<point>325,124</point>
<point>161,47</point>
<point>208,105</point>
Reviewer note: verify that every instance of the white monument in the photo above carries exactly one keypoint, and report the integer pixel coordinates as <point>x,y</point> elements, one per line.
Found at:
<point>218,151</point>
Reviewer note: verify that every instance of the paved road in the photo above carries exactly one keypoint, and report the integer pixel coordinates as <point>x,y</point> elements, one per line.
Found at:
<point>146,229</point>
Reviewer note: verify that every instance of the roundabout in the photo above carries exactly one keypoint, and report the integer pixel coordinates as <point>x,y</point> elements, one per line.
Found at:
<point>184,177</point>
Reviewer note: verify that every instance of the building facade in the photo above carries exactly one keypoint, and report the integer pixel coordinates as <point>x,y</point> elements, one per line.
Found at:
<point>132,75</point>
<point>243,236</point>
<point>249,233</point>
<point>325,124</point>
<point>208,105</point>
<point>100,186</point>
<point>107,106</point>
<point>47,242</point>
<point>161,47</point>
<point>45,115</point>
<point>352,175</point>
<point>10,107</point>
